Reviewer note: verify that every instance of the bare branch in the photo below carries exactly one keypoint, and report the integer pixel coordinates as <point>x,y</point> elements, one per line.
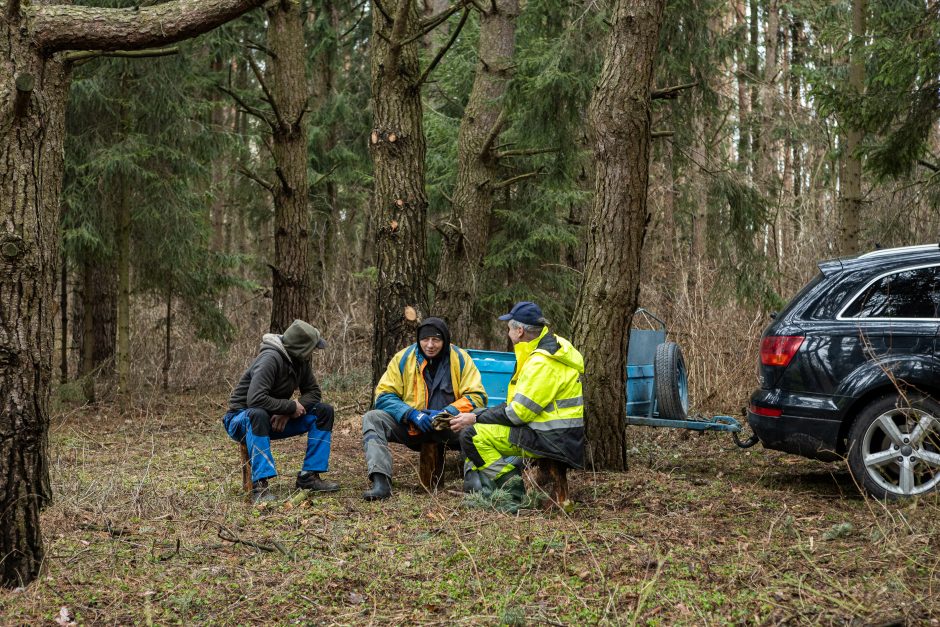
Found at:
<point>285,126</point>
<point>494,133</point>
<point>381,8</point>
<point>254,45</point>
<point>440,53</point>
<point>396,37</point>
<point>655,134</point>
<point>257,179</point>
<point>324,176</point>
<point>928,165</point>
<point>87,55</point>
<point>247,107</point>
<point>59,27</point>
<point>283,179</point>
<point>670,93</point>
<point>524,153</point>
<point>516,179</point>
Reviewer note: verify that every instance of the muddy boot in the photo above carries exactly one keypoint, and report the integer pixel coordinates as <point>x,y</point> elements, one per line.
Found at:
<point>260,492</point>
<point>312,481</point>
<point>381,487</point>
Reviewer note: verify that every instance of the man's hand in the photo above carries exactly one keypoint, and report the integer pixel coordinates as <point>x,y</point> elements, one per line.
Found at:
<point>299,410</point>
<point>279,421</point>
<point>461,421</point>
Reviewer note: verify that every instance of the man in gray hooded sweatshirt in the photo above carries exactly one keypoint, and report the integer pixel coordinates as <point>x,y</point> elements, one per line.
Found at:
<point>261,409</point>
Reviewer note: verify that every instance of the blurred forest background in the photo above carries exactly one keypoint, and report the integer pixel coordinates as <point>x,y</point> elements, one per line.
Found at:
<point>779,139</point>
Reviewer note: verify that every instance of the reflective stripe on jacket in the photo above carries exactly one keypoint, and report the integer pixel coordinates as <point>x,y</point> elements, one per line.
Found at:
<point>402,387</point>
<point>544,401</point>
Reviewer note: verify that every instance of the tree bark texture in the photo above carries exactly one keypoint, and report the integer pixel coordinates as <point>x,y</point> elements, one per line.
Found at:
<point>33,92</point>
<point>399,202</point>
<point>619,127</point>
<point>286,78</point>
<point>466,232</point>
<point>850,201</point>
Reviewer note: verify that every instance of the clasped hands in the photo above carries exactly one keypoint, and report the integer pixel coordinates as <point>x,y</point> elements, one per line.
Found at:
<point>279,421</point>
<point>424,421</point>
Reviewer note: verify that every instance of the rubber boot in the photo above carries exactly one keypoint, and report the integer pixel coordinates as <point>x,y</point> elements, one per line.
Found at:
<point>381,487</point>
<point>472,481</point>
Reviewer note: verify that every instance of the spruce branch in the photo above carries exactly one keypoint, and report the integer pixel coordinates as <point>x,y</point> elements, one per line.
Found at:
<point>77,58</point>
<point>516,179</point>
<point>493,134</point>
<point>426,26</point>
<point>671,93</point>
<point>254,45</point>
<point>247,108</point>
<point>257,179</point>
<point>479,7</point>
<point>285,186</point>
<point>268,96</point>
<point>396,37</point>
<point>324,176</point>
<point>525,153</point>
<point>440,53</point>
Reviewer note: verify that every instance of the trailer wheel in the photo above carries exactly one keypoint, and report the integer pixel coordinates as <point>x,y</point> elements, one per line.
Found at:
<point>671,382</point>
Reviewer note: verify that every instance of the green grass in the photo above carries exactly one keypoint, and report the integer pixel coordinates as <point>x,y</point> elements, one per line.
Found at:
<point>696,533</point>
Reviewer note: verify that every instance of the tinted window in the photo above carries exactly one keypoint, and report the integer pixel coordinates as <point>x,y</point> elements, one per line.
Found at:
<point>908,294</point>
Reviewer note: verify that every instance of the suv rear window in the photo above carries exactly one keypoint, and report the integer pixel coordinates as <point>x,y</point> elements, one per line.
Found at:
<point>909,293</point>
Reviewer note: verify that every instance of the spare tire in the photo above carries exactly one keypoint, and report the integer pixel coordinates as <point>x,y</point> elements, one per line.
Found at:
<point>671,382</point>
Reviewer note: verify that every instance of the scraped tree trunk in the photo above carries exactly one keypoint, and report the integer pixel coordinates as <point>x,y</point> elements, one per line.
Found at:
<point>33,90</point>
<point>399,202</point>
<point>619,126</point>
<point>850,201</point>
<point>286,76</point>
<point>466,232</point>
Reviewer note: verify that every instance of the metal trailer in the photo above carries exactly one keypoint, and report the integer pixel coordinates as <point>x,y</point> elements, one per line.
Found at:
<point>657,382</point>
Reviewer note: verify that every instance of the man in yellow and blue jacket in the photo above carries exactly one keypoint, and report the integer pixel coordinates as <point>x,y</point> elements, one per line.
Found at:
<point>428,377</point>
<point>544,412</point>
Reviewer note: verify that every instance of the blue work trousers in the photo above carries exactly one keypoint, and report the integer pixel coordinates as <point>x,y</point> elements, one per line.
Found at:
<point>253,426</point>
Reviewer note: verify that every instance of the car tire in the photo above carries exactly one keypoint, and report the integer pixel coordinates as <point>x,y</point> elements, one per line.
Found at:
<point>894,446</point>
<point>671,382</point>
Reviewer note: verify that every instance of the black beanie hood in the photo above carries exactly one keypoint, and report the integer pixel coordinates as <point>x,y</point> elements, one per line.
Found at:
<point>438,325</point>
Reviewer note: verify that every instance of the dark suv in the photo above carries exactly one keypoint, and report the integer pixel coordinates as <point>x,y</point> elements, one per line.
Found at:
<point>850,368</point>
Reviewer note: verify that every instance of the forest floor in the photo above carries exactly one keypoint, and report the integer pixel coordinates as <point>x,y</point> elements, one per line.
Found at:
<point>697,532</point>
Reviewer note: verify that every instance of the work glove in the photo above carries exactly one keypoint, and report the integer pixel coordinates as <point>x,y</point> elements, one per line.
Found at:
<point>420,419</point>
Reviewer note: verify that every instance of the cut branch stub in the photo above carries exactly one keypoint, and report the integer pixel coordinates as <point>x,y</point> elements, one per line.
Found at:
<point>392,138</point>
<point>375,136</point>
<point>410,313</point>
<point>24,89</point>
<point>393,225</point>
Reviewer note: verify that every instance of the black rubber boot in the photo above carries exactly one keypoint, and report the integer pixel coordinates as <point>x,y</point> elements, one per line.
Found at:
<point>381,487</point>
<point>313,482</point>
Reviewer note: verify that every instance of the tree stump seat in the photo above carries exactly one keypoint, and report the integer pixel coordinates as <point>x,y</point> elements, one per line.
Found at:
<point>245,462</point>
<point>555,473</point>
<point>431,465</point>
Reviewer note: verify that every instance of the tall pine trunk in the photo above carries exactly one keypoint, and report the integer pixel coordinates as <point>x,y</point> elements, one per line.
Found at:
<point>619,127</point>
<point>286,77</point>
<point>466,233</point>
<point>399,202</point>
<point>31,166</point>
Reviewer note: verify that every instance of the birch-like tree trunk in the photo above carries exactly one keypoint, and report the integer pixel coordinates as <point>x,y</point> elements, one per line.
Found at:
<point>33,92</point>
<point>850,199</point>
<point>619,127</point>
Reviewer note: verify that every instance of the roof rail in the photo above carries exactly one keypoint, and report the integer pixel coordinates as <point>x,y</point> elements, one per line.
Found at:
<point>901,250</point>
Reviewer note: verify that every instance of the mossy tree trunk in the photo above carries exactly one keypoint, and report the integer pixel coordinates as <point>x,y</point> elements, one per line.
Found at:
<point>466,233</point>
<point>619,127</point>
<point>34,81</point>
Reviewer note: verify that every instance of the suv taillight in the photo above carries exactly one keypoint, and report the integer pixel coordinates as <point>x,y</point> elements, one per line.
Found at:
<point>778,350</point>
